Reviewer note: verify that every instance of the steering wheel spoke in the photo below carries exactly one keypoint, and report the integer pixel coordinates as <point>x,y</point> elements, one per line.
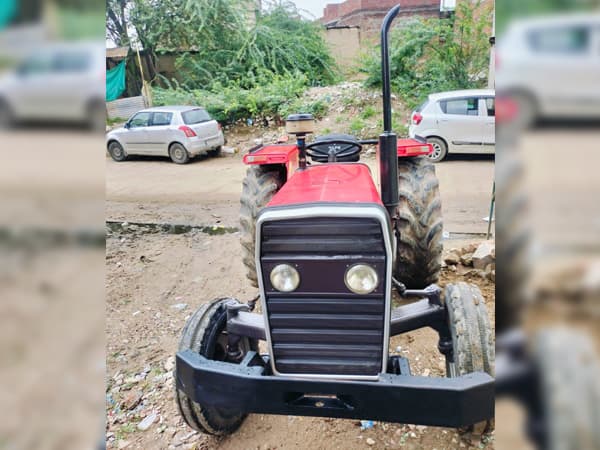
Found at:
<point>334,148</point>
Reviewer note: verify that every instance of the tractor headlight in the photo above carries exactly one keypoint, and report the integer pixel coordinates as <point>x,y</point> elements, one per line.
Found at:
<point>361,279</point>
<point>285,278</point>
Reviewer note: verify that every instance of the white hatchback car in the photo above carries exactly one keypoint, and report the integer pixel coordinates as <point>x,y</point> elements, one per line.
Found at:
<point>550,66</point>
<point>456,122</point>
<point>180,132</point>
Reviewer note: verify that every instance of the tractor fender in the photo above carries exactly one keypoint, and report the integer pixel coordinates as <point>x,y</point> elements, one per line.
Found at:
<point>274,154</point>
<point>413,147</point>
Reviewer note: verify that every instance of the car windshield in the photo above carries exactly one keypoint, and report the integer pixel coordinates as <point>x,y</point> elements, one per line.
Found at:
<point>195,116</point>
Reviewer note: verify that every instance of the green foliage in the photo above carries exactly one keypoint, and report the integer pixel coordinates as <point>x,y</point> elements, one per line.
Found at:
<point>429,55</point>
<point>368,112</point>
<point>114,120</point>
<point>222,46</point>
<point>317,108</point>
<point>508,10</point>
<point>233,102</point>
<point>78,24</point>
<point>356,126</point>
<point>235,67</point>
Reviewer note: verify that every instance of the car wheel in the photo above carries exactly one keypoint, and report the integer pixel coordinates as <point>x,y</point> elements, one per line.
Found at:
<point>179,154</point>
<point>117,152</point>
<point>6,117</point>
<point>215,151</point>
<point>97,117</point>
<point>440,149</point>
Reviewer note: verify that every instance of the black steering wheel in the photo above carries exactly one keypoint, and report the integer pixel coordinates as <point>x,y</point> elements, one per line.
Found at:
<point>333,148</point>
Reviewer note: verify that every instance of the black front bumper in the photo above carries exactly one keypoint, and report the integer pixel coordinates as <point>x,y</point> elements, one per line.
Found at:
<point>248,388</point>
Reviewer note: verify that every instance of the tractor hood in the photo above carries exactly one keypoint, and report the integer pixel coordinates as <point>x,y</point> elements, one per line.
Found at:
<point>329,183</point>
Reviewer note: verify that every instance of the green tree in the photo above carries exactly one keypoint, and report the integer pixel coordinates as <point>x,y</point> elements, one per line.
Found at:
<point>429,55</point>
<point>116,22</point>
<point>226,41</point>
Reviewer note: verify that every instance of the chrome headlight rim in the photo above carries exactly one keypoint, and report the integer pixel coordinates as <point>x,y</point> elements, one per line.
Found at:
<point>293,277</point>
<point>363,266</point>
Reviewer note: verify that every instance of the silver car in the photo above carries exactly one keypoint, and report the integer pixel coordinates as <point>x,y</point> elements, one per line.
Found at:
<point>457,122</point>
<point>180,132</point>
<point>56,82</point>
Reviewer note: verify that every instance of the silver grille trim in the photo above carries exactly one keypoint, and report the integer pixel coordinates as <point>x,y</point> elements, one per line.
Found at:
<point>373,211</point>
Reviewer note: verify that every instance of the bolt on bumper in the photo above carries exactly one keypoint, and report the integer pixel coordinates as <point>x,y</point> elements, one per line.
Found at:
<point>249,388</point>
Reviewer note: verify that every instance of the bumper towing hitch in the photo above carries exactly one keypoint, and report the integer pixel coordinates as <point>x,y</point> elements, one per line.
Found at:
<point>234,352</point>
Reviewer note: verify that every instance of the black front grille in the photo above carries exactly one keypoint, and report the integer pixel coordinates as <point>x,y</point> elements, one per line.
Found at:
<point>322,327</point>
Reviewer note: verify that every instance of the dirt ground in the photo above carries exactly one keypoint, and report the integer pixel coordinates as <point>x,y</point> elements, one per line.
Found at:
<point>156,279</point>
<point>154,282</point>
<point>206,191</point>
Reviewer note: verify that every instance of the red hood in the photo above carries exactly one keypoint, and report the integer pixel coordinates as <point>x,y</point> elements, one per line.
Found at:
<point>331,183</point>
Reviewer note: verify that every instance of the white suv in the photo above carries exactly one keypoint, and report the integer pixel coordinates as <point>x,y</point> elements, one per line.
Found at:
<point>456,122</point>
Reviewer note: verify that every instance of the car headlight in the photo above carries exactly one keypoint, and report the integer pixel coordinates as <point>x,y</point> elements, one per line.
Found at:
<point>361,279</point>
<point>285,278</point>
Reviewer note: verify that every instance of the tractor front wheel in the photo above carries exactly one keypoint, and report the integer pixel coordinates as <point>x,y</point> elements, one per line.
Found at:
<point>260,185</point>
<point>205,333</point>
<point>472,336</point>
<point>419,225</point>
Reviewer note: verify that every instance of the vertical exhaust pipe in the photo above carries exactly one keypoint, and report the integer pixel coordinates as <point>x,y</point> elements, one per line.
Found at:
<point>388,141</point>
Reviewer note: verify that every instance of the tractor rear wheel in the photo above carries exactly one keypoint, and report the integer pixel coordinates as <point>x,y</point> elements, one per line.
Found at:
<point>472,336</point>
<point>419,228</point>
<point>260,185</point>
<point>205,333</point>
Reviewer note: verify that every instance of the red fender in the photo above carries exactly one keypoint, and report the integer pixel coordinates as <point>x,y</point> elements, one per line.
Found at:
<point>274,154</point>
<point>412,147</point>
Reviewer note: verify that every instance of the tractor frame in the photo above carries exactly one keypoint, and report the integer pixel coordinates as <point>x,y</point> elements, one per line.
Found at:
<point>221,376</point>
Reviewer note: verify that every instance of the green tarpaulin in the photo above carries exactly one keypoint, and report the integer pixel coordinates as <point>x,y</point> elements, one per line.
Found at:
<point>8,10</point>
<point>115,81</point>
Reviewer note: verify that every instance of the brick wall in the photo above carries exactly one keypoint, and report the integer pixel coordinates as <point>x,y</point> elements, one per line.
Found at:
<point>350,7</point>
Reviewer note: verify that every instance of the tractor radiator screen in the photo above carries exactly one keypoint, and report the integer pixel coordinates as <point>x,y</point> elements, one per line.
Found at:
<point>323,328</point>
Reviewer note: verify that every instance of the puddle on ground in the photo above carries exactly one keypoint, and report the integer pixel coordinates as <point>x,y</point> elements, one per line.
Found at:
<point>39,237</point>
<point>166,228</point>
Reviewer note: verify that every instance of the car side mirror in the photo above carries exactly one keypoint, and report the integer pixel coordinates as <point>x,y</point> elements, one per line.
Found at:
<point>127,125</point>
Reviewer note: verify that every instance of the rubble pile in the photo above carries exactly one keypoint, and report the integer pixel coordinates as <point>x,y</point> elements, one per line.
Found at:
<point>472,260</point>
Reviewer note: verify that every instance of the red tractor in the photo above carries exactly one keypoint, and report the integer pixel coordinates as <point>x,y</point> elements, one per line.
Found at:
<point>325,249</point>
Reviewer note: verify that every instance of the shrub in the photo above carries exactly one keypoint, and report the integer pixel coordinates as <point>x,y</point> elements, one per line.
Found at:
<point>356,126</point>
<point>429,55</point>
<point>230,103</point>
<point>368,112</point>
